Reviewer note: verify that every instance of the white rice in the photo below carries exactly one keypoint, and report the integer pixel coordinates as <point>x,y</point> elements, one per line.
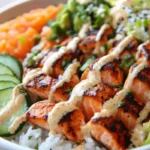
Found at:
<point>40,139</point>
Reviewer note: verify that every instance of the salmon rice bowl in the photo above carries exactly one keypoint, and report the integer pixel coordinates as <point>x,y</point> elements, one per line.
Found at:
<point>76,76</point>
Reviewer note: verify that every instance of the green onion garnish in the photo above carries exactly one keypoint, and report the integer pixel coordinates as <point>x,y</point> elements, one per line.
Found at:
<point>120,105</point>
<point>65,63</point>
<point>104,48</point>
<point>69,90</point>
<point>37,39</point>
<point>31,62</point>
<point>120,87</point>
<point>88,61</point>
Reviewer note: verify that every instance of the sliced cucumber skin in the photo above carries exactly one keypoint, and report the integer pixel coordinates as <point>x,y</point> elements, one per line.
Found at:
<point>6,84</point>
<point>11,78</point>
<point>5,70</point>
<point>5,96</point>
<point>13,64</point>
<point>4,126</point>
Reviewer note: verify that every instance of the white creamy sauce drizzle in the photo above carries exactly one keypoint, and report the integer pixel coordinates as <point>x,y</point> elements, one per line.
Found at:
<point>31,75</point>
<point>16,124</point>
<point>68,74</point>
<point>15,103</point>
<point>40,55</point>
<point>60,110</point>
<point>140,48</point>
<point>86,130</point>
<point>99,36</point>
<point>48,65</point>
<point>139,134</point>
<point>84,30</point>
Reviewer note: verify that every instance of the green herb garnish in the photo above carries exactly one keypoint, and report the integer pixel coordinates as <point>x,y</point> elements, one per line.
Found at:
<point>65,63</point>
<point>88,62</point>
<point>69,90</point>
<point>22,91</point>
<point>37,39</point>
<point>120,105</point>
<point>131,94</point>
<point>105,48</point>
<point>120,87</point>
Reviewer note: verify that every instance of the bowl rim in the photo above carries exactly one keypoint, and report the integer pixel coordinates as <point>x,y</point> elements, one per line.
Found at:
<point>12,4</point>
<point>6,144</point>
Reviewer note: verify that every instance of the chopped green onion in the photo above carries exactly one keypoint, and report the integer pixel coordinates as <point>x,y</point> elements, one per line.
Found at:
<point>98,22</point>
<point>65,63</point>
<point>138,23</point>
<point>22,39</point>
<point>57,46</point>
<point>105,48</point>
<point>85,65</point>
<point>128,56</point>
<point>69,90</point>
<point>123,64</point>
<point>22,91</point>
<point>145,23</point>
<point>88,62</point>
<point>29,137</point>
<point>130,63</point>
<point>120,105</point>
<point>52,37</point>
<point>131,94</point>
<point>36,147</point>
<point>120,87</point>
<point>37,39</point>
<point>31,62</point>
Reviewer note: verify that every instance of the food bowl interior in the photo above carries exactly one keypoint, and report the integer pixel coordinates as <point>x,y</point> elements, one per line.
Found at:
<point>11,11</point>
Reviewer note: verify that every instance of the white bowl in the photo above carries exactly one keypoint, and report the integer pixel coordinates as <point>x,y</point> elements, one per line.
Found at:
<point>11,11</point>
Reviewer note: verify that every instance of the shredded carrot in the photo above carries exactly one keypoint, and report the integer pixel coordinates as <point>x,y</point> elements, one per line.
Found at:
<point>17,36</point>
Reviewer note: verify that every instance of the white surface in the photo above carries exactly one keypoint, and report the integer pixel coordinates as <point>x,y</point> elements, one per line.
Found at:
<point>5,2</point>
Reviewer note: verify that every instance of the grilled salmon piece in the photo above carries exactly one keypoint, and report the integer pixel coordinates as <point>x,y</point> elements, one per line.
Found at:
<point>38,114</point>
<point>70,124</point>
<point>42,85</point>
<point>88,44</point>
<point>141,86</point>
<point>128,111</point>
<point>110,132</point>
<point>94,99</point>
<point>110,73</point>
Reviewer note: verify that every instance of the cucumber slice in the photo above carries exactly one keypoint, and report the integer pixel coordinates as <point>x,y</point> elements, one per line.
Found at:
<point>13,64</point>
<point>7,77</point>
<point>6,84</point>
<point>5,70</point>
<point>5,98</point>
